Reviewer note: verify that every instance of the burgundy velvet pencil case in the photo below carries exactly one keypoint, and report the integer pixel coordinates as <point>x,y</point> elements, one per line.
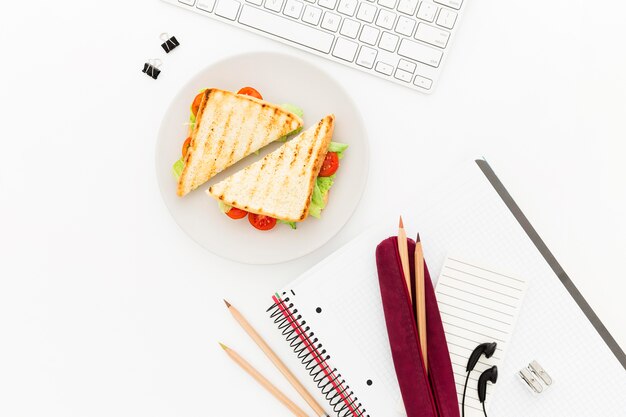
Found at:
<point>431,394</point>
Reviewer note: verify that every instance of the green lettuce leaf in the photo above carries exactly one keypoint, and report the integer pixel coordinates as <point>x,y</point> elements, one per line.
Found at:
<point>315,211</point>
<point>322,185</point>
<point>293,108</point>
<point>224,208</point>
<point>291,224</point>
<point>337,147</point>
<point>177,169</point>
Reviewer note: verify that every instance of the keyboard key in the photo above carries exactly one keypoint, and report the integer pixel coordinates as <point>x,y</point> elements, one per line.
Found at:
<point>455,4</point>
<point>384,68</point>
<point>407,66</point>
<point>206,5</point>
<point>387,3</point>
<point>369,35</point>
<point>327,4</point>
<point>403,75</point>
<point>366,12</point>
<point>446,18</point>
<point>347,7</point>
<point>388,42</point>
<point>405,26</point>
<point>423,82</point>
<point>331,21</point>
<point>293,8</point>
<point>312,15</point>
<point>385,19</point>
<point>407,6</point>
<point>432,35</point>
<point>419,52</point>
<point>350,28</point>
<point>257,2</point>
<point>345,49</point>
<point>286,29</point>
<point>274,5</point>
<point>427,11</point>
<point>227,9</point>
<point>366,57</point>
<point>187,2</point>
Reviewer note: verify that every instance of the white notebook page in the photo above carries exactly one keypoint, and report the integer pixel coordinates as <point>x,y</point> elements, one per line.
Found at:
<point>351,323</point>
<point>477,305</point>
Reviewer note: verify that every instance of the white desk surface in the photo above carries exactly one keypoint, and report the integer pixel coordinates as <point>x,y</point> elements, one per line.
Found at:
<point>107,308</point>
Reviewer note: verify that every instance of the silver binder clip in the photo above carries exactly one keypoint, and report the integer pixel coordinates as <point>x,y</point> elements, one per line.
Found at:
<point>533,375</point>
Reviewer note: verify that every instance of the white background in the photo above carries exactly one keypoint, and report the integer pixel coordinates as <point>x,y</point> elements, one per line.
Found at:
<point>107,308</point>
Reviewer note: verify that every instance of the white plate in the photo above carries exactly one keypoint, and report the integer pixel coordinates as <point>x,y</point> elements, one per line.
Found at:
<point>280,79</point>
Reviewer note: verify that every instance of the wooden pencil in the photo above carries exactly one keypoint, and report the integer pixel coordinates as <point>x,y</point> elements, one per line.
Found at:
<point>297,411</point>
<point>403,250</point>
<point>420,300</point>
<point>319,411</point>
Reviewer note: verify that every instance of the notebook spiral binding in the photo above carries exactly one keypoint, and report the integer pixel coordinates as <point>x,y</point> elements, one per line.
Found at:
<point>314,357</point>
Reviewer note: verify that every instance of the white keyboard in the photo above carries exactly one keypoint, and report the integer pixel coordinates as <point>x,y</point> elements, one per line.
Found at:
<point>404,41</point>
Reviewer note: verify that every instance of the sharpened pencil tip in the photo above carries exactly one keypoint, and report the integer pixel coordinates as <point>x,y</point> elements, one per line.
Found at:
<point>223,346</point>
<point>227,303</point>
<point>418,238</point>
<point>400,224</point>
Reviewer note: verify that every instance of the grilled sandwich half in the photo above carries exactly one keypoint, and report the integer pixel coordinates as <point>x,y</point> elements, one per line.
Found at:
<point>228,128</point>
<point>280,185</point>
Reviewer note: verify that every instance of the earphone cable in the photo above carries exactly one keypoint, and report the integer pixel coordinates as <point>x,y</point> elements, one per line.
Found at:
<point>464,390</point>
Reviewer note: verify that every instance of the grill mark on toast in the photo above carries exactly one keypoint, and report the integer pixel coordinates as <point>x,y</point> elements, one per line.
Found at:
<point>185,185</point>
<point>210,142</point>
<point>235,145</point>
<point>295,155</point>
<point>310,152</point>
<point>322,149</point>
<point>258,118</point>
<point>221,141</point>
<point>276,162</point>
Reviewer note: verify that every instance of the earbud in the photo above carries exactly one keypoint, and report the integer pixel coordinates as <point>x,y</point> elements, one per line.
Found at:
<point>487,348</point>
<point>490,375</point>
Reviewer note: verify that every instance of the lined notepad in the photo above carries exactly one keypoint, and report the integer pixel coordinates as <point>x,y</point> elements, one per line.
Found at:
<point>477,305</point>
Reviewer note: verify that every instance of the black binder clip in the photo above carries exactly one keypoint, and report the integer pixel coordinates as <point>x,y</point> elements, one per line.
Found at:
<point>169,44</point>
<point>151,68</point>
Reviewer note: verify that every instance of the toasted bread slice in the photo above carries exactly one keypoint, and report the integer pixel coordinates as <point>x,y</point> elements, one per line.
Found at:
<point>280,185</point>
<point>228,128</point>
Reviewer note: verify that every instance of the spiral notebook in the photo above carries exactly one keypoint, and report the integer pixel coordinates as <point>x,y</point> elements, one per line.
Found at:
<point>333,330</point>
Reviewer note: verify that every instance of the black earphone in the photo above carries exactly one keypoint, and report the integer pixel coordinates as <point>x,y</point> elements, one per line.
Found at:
<point>491,374</point>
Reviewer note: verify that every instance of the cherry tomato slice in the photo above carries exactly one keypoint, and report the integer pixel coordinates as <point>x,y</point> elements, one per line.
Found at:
<point>236,214</point>
<point>330,164</point>
<point>196,103</point>
<point>249,91</point>
<point>262,222</point>
<point>186,146</point>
